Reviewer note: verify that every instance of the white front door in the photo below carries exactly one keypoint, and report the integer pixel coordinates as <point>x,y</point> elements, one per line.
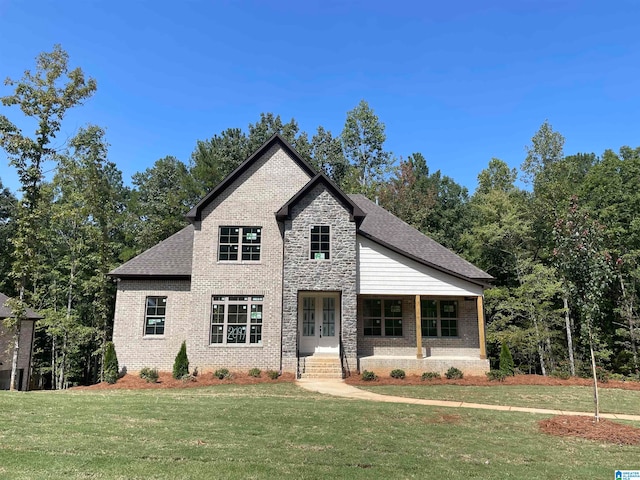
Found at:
<point>319,322</point>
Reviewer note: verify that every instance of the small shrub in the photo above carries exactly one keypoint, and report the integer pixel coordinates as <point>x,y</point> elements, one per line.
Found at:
<point>398,373</point>
<point>273,374</point>
<point>560,373</point>
<point>602,375</point>
<point>110,364</point>
<point>181,363</point>
<point>430,375</point>
<point>454,374</point>
<point>255,372</point>
<point>506,360</point>
<point>368,376</point>
<point>222,373</point>
<point>498,375</point>
<point>149,374</point>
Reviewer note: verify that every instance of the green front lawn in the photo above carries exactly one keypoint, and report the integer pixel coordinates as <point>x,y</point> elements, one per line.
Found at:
<point>612,400</point>
<point>279,431</point>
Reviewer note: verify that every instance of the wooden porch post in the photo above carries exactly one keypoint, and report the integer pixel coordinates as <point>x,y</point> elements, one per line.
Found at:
<point>483,346</point>
<point>418,328</point>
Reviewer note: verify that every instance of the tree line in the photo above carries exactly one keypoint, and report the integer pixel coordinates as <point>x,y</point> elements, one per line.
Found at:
<point>561,234</point>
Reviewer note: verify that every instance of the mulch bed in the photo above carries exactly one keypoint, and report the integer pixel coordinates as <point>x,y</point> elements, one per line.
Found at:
<point>356,380</point>
<point>586,427</point>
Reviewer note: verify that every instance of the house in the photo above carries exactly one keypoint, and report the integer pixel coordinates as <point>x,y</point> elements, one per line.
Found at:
<point>27,331</point>
<point>279,269</point>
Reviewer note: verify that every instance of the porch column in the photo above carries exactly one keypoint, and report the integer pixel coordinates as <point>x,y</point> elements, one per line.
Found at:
<point>418,328</point>
<point>483,347</point>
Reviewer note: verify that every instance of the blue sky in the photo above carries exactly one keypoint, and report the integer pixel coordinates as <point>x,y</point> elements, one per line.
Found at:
<point>460,82</point>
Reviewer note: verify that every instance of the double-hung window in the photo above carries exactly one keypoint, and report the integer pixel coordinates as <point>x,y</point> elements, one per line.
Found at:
<point>155,314</point>
<point>439,318</point>
<point>320,242</point>
<point>239,244</point>
<point>236,320</point>
<point>382,317</point>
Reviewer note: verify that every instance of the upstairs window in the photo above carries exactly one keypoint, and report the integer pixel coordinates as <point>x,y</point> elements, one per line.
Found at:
<point>239,244</point>
<point>320,243</point>
<point>156,311</point>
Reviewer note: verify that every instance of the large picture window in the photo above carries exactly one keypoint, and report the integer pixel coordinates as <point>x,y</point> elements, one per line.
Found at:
<point>320,242</point>
<point>155,314</point>
<point>439,318</point>
<point>382,317</point>
<point>236,320</point>
<point>239,244</point>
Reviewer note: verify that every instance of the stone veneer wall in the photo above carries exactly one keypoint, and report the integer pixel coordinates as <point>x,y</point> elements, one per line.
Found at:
<point>466,343</point>
<point>24,354</point>
<point>338,274</point>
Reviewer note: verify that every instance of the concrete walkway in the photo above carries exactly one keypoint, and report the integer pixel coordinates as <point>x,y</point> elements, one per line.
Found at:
<point>338,388</point>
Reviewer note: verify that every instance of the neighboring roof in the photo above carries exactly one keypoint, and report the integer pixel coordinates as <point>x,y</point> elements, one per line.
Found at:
<point>389,231</point>
<point>170,258</point>
<point>356,213</point>
<point>196,212</point>
<point>5,312</point>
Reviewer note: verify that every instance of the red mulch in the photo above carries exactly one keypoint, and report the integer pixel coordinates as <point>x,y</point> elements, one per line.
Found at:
<point>166,380</point>
<point>484,381</point>
<point>586,427</point>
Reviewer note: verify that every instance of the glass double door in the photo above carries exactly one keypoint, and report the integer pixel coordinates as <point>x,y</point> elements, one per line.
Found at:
<point>319,322</point>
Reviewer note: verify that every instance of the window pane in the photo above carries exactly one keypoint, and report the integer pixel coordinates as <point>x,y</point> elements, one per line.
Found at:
<point>155,315</point>
<point>372,307</point>
<point>373,326</point>
<point>320,242</point>
<point>429,308</point>
<point>236,334</point>
<point>449,328</point>
<point>393,327</point>
<point>393,308</point>
<point>448,309</point>
<point>429,327</point>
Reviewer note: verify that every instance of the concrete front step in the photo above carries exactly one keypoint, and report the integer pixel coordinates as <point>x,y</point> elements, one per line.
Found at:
<point>321,375</point>
<point>321,367</point>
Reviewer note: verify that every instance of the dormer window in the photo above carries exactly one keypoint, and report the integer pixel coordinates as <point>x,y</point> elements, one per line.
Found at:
<point>239,244</point>
<point>320,243</point>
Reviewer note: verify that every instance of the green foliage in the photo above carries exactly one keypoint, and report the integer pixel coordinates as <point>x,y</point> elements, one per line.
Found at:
<point>430,375</point>
<point>397,373</point>
<point>273,374</point>
<point>453,374</point>
<point>111,369</point>
<point>506,360</point>
<point>498,375</point>
<point>255,372</point>
<point>150,375</point>
<point>368,376</point>
<point>223,373</point>
<point>181,363</point>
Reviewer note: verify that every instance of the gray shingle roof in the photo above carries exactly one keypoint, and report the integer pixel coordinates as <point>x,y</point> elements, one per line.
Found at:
<point>6,312</point>
<point>388,230</point>
<point>169,258</point>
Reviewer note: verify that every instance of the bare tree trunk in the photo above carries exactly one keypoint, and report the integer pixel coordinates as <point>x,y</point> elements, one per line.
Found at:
<point>596,399</point>
<point>567,322</point>
<point>16,342</point>
<point>540,347</point>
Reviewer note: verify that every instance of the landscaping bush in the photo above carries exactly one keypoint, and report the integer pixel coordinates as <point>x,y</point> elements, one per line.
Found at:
<point>499,375</point>
<point>181,364</point>
<point>110,364</point>
<point>223,373</point>
<point>368,376</point>
<point>506,360</point>
<point>560,373</point>
<point>398,373</point>
<point>149,374</point>
<point>430,375</point>
<point>255,372</point>
<point>453,374</point>
<point>273,374</point>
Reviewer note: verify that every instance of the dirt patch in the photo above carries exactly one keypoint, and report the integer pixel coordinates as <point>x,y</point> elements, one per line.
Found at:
<point>586,427</point>
<point>134,382</point>
<point>356,380</point>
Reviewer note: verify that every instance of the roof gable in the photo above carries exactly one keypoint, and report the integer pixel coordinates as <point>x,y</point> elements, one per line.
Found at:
<point>195,214</point>
<point>5,312</point>
<point>354,210</point>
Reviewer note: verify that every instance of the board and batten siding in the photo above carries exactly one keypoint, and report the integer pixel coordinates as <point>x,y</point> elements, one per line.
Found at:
<point>384,272</point>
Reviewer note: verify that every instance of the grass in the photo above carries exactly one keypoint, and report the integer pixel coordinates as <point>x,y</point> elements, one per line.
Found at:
<point>559,398</point>
<point>278,430</point>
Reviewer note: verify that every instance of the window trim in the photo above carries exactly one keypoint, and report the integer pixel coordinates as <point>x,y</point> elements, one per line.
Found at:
<point>439,318</point>
<point>147,316</point>
<point>320,251</point>
<point>228,300</point>
<point>242,242</point>
<point>383,318</point>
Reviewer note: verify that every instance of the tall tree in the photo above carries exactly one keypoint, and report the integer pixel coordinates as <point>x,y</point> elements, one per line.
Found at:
<point>8,207</point>
<point>45,96</point>
<point>363,140</point>
<point>327,156</point>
